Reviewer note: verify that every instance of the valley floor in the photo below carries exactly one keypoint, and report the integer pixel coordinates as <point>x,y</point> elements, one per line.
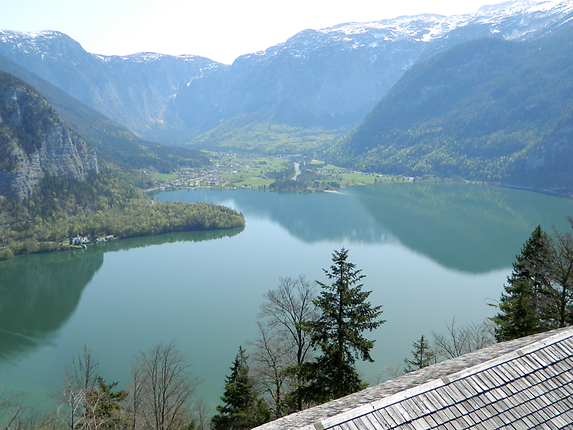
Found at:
<point>233,171</point>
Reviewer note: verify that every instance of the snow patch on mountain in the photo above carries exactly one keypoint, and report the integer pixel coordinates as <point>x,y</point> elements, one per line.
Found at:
<point>428,27</point>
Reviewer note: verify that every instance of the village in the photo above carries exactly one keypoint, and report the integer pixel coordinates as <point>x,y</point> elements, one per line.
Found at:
<point>230,170</point>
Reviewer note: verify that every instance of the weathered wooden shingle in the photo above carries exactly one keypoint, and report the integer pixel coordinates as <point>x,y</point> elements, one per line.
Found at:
<point>521,384</point>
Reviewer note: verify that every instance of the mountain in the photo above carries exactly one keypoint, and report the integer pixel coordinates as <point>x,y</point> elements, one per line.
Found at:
<point>487,110</point>
<point>323,80</point>
<point>333,77</point>
<point>35,142</point>
<point>112,142</point>
<point>52,186</point>
<point>132,90</point>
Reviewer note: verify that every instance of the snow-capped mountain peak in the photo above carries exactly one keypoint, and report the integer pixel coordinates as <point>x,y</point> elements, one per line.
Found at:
<point>521,14</point>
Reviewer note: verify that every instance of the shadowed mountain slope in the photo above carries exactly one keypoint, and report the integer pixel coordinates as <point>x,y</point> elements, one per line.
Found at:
<point>488,110</point>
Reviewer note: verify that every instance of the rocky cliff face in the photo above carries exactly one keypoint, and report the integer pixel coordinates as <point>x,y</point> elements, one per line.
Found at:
<point>35,142</point>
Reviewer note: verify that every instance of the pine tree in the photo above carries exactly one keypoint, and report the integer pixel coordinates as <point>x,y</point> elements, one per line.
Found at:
<point>532,265</point>
<point>523,303</point>
<point>423,355</point>
<point>344,314</point>
<point>104,409</point>
<point>242,408</point>
<point>517,317</point>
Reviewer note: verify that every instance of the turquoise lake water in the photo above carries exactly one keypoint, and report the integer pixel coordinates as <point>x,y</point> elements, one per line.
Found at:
<point>430,252</point>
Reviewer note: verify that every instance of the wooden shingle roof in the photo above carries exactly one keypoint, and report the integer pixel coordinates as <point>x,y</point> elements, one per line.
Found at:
<point>520,384</point>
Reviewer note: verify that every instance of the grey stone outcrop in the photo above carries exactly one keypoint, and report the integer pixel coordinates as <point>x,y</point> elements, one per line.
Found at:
<point>51,149</point>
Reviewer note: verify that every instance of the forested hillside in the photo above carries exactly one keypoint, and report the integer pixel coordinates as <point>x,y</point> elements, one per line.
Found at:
<point>259,132</point>
<point>487,110</point>
<point>105,204</point>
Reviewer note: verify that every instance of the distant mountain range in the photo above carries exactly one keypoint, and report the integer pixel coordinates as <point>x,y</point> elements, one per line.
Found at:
<point>484,96</point>
<point>134,91</point>
<point>332,78</point>
<point>325,79</point>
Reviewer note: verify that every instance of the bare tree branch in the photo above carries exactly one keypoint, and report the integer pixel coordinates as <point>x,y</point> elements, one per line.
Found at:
<point>282,344</point>
<point>162,388</point>
<point>286,307</point>
<point>464,339</point>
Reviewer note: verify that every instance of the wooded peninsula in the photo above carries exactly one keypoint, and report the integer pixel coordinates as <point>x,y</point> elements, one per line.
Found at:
<point>106,204</point>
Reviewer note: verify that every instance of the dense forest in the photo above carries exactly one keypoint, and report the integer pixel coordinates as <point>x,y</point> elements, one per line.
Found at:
<point>105,204</point>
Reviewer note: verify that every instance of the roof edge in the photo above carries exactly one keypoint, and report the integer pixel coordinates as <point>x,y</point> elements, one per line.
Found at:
<point>440,382</point>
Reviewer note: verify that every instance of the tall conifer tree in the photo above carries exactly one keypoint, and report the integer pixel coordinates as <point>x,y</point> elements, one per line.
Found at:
<point>423,355</point>
<point>524,301</point>
<point>344,314</point>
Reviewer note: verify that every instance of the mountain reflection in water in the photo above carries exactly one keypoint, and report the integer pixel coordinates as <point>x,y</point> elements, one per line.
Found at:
<point>40,292</point>
<point>466,227</point>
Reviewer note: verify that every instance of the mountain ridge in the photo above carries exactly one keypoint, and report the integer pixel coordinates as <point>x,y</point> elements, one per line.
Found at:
<point>329,78</point>
<point>127,89</point>
<point>113,143</point>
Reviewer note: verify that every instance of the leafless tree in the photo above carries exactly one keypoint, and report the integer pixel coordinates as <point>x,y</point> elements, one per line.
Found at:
<point>12,410</point>
<point>81,376</point>
<point>458,341</point>
<point>272,360</point>
<point>394,371</point>
<point>282,344</point>
<point>201,415</point>
<point>464,339</point>
<point>388,372</point>
<point>560,292</point>
<point>83,370</point>
<point>162,386</point>
<point>286,307</point>
<point>135,395</point>
<point>36,420</point>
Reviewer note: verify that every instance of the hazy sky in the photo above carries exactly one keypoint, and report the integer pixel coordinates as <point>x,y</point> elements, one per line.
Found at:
<point>218,29</point>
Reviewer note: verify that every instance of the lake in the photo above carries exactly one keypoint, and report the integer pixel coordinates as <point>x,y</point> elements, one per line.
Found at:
<point>430,252</point>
